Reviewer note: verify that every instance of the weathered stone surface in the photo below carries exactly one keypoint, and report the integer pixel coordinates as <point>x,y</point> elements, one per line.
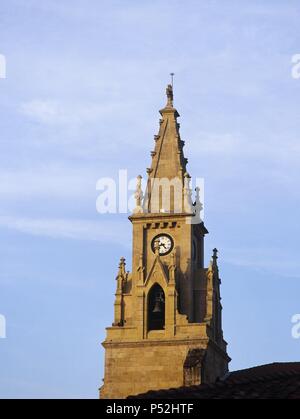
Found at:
<point>189,349</point>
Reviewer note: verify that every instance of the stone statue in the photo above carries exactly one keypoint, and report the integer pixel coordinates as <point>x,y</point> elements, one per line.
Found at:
<point>170,96</point>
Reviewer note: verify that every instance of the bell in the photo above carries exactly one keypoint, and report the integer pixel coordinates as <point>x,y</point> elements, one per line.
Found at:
<point>157,306</point>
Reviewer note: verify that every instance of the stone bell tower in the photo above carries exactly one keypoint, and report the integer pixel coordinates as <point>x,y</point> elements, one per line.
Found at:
<point>167,329</point>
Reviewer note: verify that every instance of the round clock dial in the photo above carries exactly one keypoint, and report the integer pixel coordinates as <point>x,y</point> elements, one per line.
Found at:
<point>166,244</point>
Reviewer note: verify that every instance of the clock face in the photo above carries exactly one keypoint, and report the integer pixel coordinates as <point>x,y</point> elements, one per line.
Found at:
<point>166,244</point>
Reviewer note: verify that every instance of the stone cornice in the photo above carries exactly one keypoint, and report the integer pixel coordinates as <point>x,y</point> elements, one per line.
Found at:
<point>155,342</point>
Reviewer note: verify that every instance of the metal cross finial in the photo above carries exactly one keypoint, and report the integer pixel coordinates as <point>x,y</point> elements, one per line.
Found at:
<point>172,79</point>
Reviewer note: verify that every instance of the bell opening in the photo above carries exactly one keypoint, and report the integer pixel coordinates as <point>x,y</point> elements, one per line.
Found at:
<point>156,308</point>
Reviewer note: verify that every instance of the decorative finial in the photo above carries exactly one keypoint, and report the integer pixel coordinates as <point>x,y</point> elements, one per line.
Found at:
<point>173,259</point>
<point>141,269</point>
<point>138,196</point>
<point>170,96</point>
<point>215,256</point>
<point>122,265</point>
<point>187,194</point>
<point>121,277</point>
<point>198,205</point>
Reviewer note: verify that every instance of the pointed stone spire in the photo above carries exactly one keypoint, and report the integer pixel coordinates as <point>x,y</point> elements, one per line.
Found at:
<point>168,161</point>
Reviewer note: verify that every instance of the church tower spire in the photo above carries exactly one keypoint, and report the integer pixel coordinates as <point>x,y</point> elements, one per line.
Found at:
<point>167,329</point>
<point>168,161</point>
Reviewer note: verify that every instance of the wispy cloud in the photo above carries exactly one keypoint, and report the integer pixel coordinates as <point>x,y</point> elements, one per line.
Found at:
<point>243,146</point>
<point>48,182</point>
<point>73,229</point>
<point>274,260</point>
<point>56,113</point>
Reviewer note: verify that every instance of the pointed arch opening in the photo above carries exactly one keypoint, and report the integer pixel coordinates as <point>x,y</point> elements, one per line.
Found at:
<point>156,308</point>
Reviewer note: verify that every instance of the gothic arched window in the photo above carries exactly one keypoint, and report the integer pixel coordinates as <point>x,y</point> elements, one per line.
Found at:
<point>156,308</point>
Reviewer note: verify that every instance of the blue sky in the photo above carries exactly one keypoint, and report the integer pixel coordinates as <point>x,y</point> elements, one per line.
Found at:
<point>85,80</point>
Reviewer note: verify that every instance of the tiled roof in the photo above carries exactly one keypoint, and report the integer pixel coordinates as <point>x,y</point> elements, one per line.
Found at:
<point>272,381</point>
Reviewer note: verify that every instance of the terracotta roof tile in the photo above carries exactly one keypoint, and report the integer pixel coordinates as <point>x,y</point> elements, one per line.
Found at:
<point>272,381</point>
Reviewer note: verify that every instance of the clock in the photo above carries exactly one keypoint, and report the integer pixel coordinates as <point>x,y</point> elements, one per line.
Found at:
<point>166,244</point>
